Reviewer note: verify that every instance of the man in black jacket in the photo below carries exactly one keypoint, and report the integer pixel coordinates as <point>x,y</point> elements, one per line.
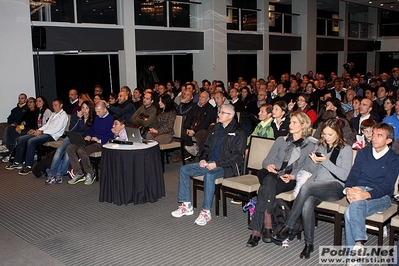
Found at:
<point>197,123</point>
<point>222,156</point>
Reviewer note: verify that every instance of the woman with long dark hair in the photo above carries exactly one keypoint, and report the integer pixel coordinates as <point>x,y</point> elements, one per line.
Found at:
<point>44,111</point>
<point>163,130</point>
<point>81,122</point>
<point>389,107</point>
<point>330,165</point>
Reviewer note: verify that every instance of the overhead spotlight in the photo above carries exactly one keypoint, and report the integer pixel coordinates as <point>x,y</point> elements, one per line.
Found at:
<point>381,4</point>
<point>370,2</point>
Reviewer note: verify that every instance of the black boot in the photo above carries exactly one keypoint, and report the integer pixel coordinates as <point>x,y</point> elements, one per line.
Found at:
<point>306,251</point>
<point>284,233</point>
<point>267,235</point>
<point>253,241</point>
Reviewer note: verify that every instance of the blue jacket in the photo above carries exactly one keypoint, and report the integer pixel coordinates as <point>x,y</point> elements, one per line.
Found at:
<point>394,122</point>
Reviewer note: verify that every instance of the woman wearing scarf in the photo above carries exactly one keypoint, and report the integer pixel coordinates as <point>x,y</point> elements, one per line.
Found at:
<point>286,157</point>
<point>330,165</point>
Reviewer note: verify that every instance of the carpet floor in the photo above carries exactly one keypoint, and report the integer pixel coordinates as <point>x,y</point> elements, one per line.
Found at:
<point>67,225</point>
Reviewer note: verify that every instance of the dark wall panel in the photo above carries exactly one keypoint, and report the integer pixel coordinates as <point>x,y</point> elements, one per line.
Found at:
<point>237,41</point>
<point>241,65</point>
<point>162,40</point>
<point>85,39</point>
<point>360,46</point>
<point>329,45</point>
<point>284,43</point>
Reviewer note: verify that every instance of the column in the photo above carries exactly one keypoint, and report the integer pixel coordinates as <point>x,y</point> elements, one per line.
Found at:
<point>343,32</point>
<point>127,57</point>
<point>373,31</point>
<point>262,56</point>
<point>211,63</point>
<point>305,60</point>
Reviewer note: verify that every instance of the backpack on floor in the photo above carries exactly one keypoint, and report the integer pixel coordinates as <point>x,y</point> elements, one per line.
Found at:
<point>281,210</point>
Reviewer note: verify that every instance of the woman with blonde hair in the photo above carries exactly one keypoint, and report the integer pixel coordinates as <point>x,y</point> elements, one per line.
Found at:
<point>286,157</point>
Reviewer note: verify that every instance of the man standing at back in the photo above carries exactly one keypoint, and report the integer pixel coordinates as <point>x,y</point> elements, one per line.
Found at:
<point>222,156</point>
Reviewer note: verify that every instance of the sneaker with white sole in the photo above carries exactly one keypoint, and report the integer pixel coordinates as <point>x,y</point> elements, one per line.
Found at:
<point>90,179</point>
<point>26,170</point>
<point>58,179</point>
<point>3,149</point>
<point>49,180</point>
<point>6,159</point>
<point>183,210</point>
<point>193,150</point>
<point>77,178</point>
<point>204,218</point>
<point>13,166</point>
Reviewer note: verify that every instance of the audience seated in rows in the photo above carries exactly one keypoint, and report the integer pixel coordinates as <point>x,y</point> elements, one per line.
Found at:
<point>51,131</point>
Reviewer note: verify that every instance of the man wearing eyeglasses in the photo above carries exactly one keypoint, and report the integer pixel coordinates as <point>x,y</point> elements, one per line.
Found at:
<point>222,156</point>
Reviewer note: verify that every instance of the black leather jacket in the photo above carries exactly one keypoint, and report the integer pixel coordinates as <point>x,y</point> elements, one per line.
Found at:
<point>232,148</point>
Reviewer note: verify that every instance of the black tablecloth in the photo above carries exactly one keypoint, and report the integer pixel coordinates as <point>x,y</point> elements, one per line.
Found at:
<point>131,176</point>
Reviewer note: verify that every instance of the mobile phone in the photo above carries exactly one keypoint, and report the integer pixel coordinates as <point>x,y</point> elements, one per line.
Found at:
<point>318,154</point>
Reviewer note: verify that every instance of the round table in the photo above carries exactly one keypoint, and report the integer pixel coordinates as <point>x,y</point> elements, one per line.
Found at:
<point>131,173</point>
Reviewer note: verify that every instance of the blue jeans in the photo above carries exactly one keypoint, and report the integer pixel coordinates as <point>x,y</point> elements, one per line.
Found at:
<point>189,170</point>
<point>60,154</point>
<point>10,138</point>
<point>356,214</point>
<point>312,193</point>
<point>28,144</point>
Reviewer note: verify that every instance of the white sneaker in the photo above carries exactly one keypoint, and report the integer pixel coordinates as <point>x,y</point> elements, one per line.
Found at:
<point>193,150</point>
<point>183,210</point>
<point>203,218</point>
<point>6,159</point>
<point>3,149</point>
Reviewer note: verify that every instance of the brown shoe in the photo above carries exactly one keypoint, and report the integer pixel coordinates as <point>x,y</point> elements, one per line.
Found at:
<point>176,159</point>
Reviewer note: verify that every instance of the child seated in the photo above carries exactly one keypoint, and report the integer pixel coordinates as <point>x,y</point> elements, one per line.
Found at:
<point>366,127</point>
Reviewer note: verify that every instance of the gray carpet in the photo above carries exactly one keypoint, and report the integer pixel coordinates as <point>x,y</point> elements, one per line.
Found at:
<point>70,226</point>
